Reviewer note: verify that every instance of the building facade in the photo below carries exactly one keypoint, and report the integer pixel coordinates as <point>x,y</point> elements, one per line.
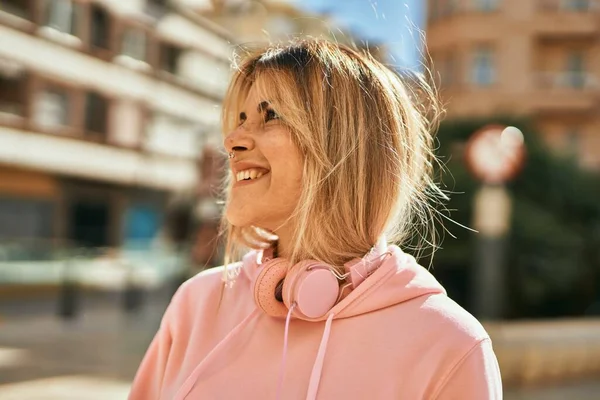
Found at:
<point>105,106</point>
<point>254,21</point>
<point>539,58</point>
<point>261,21</point>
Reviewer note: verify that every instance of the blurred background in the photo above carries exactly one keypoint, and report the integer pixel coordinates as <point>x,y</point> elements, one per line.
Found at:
<point>110,158</point>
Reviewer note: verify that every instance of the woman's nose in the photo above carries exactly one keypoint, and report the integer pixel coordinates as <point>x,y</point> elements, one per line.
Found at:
<point>239,140</point>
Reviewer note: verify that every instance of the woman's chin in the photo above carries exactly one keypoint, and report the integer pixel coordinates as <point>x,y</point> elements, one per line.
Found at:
<point>238,218</point>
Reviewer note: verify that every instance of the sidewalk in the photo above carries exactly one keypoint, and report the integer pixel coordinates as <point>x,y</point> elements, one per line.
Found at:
<point>581,391</point>
<point>93,357</point>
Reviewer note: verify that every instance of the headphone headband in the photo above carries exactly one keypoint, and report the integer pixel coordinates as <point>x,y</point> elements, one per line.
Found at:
<point>360,268</point>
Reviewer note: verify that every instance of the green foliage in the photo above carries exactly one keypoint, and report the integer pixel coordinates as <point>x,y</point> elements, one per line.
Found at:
<point>554,246</point>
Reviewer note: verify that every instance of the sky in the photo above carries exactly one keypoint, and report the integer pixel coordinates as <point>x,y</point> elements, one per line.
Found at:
<point>398,23</point>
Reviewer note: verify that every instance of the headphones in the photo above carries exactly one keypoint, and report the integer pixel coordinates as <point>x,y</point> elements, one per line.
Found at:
<point>311,287</point>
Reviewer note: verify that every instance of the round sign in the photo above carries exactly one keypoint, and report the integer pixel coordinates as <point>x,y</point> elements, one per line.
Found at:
<point>495,153</point>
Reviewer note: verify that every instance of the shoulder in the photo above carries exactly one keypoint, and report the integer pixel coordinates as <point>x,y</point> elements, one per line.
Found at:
<point>454,321</point>
<point>441,329</point>
<point>450,343</point>
<point>453,334</point>
<point>467,364</point>
<point>205,284</point>
<point>208,279</point>
<point>209,291</point>
<point>198,295</point>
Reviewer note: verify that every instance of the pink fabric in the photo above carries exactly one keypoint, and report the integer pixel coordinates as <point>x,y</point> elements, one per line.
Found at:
<point>284,356</point>
<point>315,376</point>
<point>189,383</point>
<point>396,336</point>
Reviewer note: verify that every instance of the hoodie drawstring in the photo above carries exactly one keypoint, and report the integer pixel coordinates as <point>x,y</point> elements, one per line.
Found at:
<point>315,376</point>
<point>284,356</point>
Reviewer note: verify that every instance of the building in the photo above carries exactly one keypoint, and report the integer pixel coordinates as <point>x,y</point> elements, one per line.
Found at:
<point>539,58</point>
<point>260,21</point>
<point>104,108</point>
<point>274,20</point>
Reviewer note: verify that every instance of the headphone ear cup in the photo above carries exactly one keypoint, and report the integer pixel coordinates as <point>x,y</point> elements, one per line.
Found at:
<point>265,284</point>
<point>313,287</point>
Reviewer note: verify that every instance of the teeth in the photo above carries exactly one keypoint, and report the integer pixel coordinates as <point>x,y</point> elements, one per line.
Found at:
<point>248,174</point>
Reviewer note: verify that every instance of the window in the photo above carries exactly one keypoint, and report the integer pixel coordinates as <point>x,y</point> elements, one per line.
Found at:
<point>575,75</point>
<point>156,8</point>
<point>89,222</point>
<point>142,222</point>
<point>96,113</point>
<point>576,5</point>
<point>25,218</point>
<point>486,5</point>
<point>134,44</point>
<point>447,7</point>
<point>100,27</point>
<point>169,56</point>
<point>167,134</point>
<point>442,8</point>
<point>52,108</point>
<point>434,10</point>
<point>483,71</point>
<point>61,15</point>
<point>157,3</point>
<point>20,8</point>
<point>448,72</point>
<point>452,70</point>
<point>13,92</point>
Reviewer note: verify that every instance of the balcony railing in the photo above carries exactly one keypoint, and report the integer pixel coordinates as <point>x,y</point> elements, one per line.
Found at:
<point>565,92</point>
<point>447,11</point>
<point>546,6</point>
<point>569,5</point>
<point>568,80</point>
<point>45,262</point>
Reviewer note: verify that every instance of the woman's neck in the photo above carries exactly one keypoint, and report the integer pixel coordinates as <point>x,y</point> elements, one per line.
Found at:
<point>283,245</point>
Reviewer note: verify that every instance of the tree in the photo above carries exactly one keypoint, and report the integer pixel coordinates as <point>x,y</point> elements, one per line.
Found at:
<point>554,243</point>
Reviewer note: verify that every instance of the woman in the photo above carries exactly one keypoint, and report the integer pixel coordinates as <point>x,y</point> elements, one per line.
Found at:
<point>330,153</point>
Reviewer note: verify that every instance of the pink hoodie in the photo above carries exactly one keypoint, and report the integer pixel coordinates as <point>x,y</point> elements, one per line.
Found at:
<point>396,336</point>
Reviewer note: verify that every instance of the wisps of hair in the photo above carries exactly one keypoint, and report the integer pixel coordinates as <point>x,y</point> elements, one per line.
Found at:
<point>367,137</point>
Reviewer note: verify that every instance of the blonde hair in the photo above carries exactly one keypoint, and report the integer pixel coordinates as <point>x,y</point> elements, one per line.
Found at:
<point>366,136</point>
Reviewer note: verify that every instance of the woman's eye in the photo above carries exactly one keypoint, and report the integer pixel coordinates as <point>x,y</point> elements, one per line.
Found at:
<point>270,115</point>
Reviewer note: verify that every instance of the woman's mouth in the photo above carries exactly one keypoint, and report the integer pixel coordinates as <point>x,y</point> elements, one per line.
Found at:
<point>249,175</point>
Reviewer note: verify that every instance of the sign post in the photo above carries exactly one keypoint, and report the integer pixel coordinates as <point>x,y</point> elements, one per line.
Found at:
<point>495,154</point>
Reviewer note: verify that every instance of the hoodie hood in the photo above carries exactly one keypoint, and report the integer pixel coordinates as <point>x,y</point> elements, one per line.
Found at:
<point>397,278</point>
<point>383,278</point>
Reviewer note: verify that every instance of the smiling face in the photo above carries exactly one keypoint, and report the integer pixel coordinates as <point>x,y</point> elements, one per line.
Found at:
<point>266,169</point>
